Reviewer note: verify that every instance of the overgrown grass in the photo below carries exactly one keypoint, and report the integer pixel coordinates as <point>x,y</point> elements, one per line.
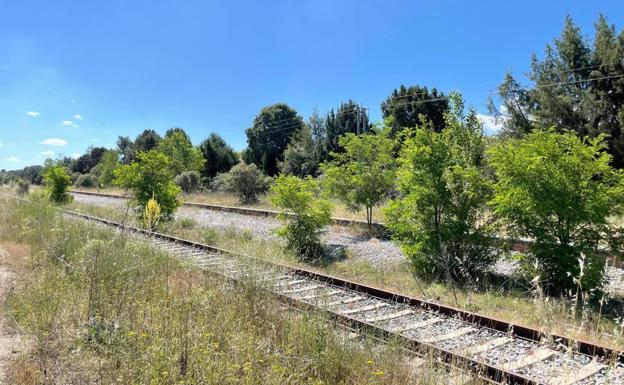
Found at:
<point>102,308</point>
<point>520,305</point>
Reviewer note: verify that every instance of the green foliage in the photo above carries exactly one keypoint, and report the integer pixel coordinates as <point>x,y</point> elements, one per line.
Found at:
<point>219,156</point>
<point>578,85</point>
<point>363,173</point>
<point>439,217</point>
<point>189,181</point>
<point>181,153</point>
<point>409,107</point>
<point>150,176</point>
<point>559,190</point>
<point>305,214</point>
<point>246,181</point>
<point>107,166</point>
<point>22,187</point>
<point>57,182</point>
<point>342,121</point>
<point>84,163</point>
<point>86,180</point>
<point>300,157</point>
<point>268,137</point>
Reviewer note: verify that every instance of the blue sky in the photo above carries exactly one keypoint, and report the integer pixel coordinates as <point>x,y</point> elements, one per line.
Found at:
<point>80,73</point>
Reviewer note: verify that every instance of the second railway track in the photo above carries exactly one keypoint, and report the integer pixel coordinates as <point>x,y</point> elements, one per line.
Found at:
<point>493,349</point>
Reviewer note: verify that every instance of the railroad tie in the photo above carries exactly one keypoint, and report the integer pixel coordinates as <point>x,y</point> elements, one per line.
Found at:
<point>320,294</point>
<point>374,306</point>
<point>301,289</point>
<point>531,358</point>
<point>417,325</point>
<point>454,334</point>
<point>582,373</point>
<point>344,301</point>
<point>476,349</point>
<point>389,316</point>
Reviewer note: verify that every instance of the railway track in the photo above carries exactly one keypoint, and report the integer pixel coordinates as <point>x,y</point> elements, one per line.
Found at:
<point>492,349</point>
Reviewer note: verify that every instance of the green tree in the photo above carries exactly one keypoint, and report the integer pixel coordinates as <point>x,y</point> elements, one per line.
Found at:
<point>362,174</point>
<point>300,155</point>
<point>84,163</point>
<point>149,177</point>
<point>107,166</point>
<point>406,105</point>
<point>182,154</point>
<point>343,121</point>
<point>439,216</point>
<point>246,181</point>
<point>558,190</point>
<point>57,182</point>
<point>219,156</point>
<point>268,137</point>
<point>304,214</point>
<point>577,86</point>
<point>145,141</point>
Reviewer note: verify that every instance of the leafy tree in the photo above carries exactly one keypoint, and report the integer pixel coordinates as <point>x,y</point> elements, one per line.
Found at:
<point>107,166</point>
<point>85,180</point>
<point>189,181</point>
<point>438,218</point>
<point>268,137</point>
<point>182,154</point>
<point>363,173</point>
<point>87,161</point>
<point>305,215</point>
<point>343,121</point>
<point>559,190</point>
<point>316,125</point>
<point>173,130</point>
<point>146,141</point>
<point>150,177</point>
<point>300,155</point>
<point>125,148</point>
<point>219,156</point>
<point>57,182</point>
<point>408,106</point>
<point>576,85</point>
<point>246,181</point>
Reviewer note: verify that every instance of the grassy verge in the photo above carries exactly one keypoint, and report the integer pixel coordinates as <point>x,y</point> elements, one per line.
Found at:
<point>520,306</point>
<point>102,308</point>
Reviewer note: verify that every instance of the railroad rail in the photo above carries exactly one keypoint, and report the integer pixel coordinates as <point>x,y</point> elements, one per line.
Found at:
<point>493,349</point>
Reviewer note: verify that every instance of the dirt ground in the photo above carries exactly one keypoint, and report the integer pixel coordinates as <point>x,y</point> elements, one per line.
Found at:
<point>11,344</point>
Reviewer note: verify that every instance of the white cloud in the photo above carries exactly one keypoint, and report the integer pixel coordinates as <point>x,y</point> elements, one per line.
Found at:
<point>76,155</point>
<point>32,114</point>
<point>69,123</point>
<point>47,153</point>
<point>95,139</point>
<point>490,124</point>
<point>78,117</point>
<point>13,158</point>
<point>1,144</point>
<point>72,100</point>
<point>54,142</point>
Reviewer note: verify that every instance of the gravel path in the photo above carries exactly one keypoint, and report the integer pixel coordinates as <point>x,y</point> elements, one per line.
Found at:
<point>380,253</point>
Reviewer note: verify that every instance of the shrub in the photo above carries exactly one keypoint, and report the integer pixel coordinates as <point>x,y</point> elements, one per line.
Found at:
<point>559,190</point>
<point>150,177</point>
<point>57,181</point>
<point>189,181</point>
<point>304,214</point>
<point>86,180</point>
<point>363,174</point>
<point>151,214</point>
<point>22,187</point>
<point>246,181</point>
<point>438,218</point>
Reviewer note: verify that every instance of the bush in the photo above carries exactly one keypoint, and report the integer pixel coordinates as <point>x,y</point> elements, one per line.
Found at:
<point>22,187</point>
<point>439,217</point>
<point>246,181</point>
<point>57,181</point>
<point>304,214</point>
<point>150,177</point>
<point>189,181</point>
<point>86,180</point>
<point>559,190</point>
